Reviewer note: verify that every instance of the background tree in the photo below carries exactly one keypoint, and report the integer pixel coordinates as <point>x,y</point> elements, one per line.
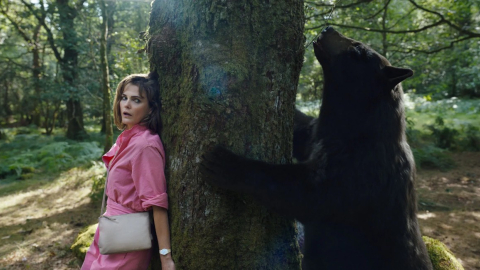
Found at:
<point>107,109</point>
<point>228,75</point>
<point>33,40</point>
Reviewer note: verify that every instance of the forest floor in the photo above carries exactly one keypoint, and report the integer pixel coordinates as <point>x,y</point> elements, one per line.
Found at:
<point>449,207</point>
<point>39,219</point>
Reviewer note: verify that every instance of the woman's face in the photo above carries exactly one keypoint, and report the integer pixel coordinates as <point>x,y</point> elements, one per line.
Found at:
<point>133,107</point>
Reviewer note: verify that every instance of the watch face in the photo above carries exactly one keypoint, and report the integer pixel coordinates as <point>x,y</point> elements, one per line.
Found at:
<point>164,251</point>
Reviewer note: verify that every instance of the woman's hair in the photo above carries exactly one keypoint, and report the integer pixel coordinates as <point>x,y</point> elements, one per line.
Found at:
<point>147,86</point>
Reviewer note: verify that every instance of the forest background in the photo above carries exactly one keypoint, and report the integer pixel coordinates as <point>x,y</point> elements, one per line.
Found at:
<point>61,60</point>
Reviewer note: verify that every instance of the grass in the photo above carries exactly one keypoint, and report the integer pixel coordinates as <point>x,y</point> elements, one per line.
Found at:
<point>456,112</point>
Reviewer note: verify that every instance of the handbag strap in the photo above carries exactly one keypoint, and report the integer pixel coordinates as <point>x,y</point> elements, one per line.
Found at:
<point>106,180</point>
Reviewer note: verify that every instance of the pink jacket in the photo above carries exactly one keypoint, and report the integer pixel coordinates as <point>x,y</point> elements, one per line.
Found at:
<point>136,178</point>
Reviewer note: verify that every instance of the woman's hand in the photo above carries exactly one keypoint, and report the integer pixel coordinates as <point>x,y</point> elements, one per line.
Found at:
<point>167,262</point>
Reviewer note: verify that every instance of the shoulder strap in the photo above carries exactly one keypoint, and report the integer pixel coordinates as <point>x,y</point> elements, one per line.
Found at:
<point>105,187</point>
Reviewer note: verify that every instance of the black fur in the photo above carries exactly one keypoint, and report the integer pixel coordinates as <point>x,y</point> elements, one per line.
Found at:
<point>354,193</point>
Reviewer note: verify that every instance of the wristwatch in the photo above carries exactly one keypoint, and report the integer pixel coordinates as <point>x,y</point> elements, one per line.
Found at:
<point>164,251</point>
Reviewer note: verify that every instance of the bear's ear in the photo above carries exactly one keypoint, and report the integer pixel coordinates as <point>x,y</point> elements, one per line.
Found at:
<point>396,75</point>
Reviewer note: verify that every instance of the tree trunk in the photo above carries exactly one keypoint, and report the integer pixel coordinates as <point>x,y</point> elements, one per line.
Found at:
<point>228,75</point>
<point>69,63</point>
<point>6,102</point>
<point>107,110</point>
<point>36,72</point>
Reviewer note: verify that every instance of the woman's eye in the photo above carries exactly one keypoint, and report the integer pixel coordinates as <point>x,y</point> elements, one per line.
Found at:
<point>136,100</point>
<point>124,98</point>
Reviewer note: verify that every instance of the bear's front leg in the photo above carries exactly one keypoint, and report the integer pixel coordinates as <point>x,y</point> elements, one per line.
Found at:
<point>284,188</point>
<point>223,168</point>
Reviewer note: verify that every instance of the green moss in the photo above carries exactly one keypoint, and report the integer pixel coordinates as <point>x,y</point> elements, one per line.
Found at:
<point>83,241</point>
<point>442,258</point>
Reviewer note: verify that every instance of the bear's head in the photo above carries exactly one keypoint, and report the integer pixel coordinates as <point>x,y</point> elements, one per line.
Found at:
<point>362,96</point>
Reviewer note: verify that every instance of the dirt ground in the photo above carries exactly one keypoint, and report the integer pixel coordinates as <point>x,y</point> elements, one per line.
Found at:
<point>37,226</point>
<point>449,207</point>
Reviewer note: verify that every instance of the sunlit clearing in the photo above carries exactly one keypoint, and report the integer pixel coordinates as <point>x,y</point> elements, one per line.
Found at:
<point>426,215</point>
<point>68,191</point>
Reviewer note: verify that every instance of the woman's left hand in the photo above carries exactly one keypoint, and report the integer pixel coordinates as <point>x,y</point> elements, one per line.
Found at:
<point>167,263</point>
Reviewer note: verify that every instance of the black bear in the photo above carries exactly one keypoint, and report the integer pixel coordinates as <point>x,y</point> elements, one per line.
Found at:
<point>354,187</point>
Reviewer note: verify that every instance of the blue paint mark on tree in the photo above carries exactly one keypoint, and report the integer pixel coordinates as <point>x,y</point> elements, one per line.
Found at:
<point>214,92</point>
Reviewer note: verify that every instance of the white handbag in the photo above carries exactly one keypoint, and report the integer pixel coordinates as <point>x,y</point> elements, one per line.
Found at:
<point>123,233</point>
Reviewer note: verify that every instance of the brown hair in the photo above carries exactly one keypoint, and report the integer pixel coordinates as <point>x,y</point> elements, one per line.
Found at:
<point>147,86</point>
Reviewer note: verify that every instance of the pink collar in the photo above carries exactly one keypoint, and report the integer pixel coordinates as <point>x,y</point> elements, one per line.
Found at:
<point>127,134</point>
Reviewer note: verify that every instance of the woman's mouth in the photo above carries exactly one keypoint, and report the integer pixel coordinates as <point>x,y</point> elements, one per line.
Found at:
<point>126,114</point>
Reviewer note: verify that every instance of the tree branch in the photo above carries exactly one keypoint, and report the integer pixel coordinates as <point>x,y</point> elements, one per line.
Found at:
<point>402,18</point>
<point>41,20</point>
<point>10,60</point>
<point>409,50</point>
<point>383,31</point>
<point>379,11</point>
<point>442,18</point>
<point>333,6</point>
<point>17,26</point>
<point>337,6</point>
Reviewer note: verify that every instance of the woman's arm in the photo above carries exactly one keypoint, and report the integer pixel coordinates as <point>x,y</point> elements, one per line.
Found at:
<point>160,218</point>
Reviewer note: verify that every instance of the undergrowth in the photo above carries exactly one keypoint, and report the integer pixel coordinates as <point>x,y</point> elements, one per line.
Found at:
<point>25,151</point>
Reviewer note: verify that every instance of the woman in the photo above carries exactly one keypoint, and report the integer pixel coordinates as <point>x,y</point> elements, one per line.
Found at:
<point>136,180</point>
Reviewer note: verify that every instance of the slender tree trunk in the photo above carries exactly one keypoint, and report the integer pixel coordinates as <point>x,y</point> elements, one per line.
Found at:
<point>107,110</point>
<point>228,75</point>
<point>6,102</point>
<point>36,72</point>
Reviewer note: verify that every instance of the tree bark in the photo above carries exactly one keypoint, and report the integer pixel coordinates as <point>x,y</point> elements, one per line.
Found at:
<point>36,72</point>
<point>69,65</point>
<point>107,109</point>
<point>228,75</point>
<point>6,102</point>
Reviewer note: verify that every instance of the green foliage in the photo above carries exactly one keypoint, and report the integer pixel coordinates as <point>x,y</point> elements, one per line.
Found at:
<point>471,138</point>
<point>97,188</point>
<point>435,126</point>
<point>29,153</point>
<point>430,156</point>
<point>445,60</point>
<point>444,137</point>
<point>310,108</point>
<point>457,113</point>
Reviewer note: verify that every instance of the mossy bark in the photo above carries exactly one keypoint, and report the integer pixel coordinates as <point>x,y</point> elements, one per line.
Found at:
<point>228,75</point>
